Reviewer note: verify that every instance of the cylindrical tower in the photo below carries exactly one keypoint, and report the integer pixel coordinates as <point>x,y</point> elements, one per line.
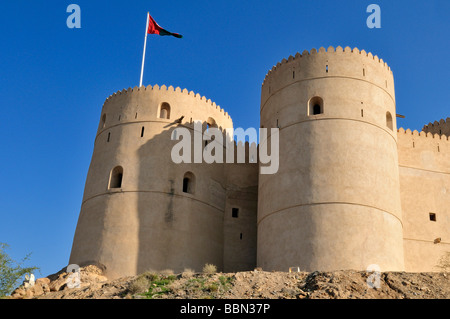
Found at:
<point>140,210</point>
<point>334,202</point>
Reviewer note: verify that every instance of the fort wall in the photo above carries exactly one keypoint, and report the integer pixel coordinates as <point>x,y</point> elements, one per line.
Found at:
<point>424,166</point>
<point>335,202</point>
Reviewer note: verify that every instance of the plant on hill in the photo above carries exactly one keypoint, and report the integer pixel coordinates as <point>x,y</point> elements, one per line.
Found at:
<point>10,271</point>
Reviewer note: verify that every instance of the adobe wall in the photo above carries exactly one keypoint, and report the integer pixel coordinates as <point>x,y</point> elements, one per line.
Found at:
<point>424,167</point>
<point>240,231</point>
<point>334,202</point>
<point>149,222</point>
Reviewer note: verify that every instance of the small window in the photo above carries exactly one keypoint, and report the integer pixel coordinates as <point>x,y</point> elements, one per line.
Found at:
<point>362,113</point>
<point>235,212</point>
<point>142,132</point>
<point>315,106</point>
<point>164,112</point>
<point>389,122</point>
<point>109,136</point>
<point>210,122</point>
<point>115,180</point>
<point>188,183</point>
<point>327,68</point>
<point>432,217</point>
<point>103,120</point>
<point>240,236</point>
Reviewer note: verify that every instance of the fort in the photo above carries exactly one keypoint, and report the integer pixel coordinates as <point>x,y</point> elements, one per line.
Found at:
<point>351,189</point>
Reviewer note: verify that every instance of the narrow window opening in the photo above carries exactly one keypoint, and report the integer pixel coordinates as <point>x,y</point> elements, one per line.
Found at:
<point>439,149</point>
<point>327,68</point>
<point>116,177</point>
<point>119,117</point>
<point>185,185</point>
<point>103,120</point>
<point>142,132</point>
<point>414,144</point>
<point>235,212</point>
<point>240,236</point>
<point>432,217</point>
<point>189,183</point>
<point>389,122</point>
<point>293,74</point>
<point>364,72</point>
<point>190,121</point>
<point>278,124</point>
<point>109,136</point>
<point>135,116</point>
<point>362,113</point>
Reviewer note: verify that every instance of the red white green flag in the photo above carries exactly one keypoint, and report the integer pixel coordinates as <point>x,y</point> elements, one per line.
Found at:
<point>154,28</point>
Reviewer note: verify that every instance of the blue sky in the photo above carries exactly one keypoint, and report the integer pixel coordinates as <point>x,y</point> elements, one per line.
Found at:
<point>54,81</point>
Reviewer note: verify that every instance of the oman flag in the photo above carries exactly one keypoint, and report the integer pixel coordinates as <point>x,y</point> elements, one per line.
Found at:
<point>154,28</point>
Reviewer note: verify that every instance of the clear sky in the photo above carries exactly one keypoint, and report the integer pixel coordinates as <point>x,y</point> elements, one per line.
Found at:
<point>54,80</point>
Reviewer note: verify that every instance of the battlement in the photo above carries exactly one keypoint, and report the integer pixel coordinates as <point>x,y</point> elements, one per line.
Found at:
<point>170,89</point>
<point>423,135</point>
<point>331,49</point>
<point>442,127</point>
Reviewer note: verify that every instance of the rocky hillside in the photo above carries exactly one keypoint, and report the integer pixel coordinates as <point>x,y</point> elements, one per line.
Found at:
<point>241,285</point>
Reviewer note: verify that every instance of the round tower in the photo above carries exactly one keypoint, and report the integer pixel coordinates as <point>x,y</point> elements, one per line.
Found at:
<point>140,210</point>
<point>335,201</point>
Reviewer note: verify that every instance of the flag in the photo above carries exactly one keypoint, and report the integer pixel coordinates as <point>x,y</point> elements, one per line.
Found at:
<point>154,28</point>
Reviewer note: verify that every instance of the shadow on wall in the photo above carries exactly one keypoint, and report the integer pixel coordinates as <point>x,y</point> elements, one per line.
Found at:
<point>180,218</point>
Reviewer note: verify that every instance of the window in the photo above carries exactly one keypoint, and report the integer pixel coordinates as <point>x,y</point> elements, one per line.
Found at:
<point>115,180</point>
<point>109,136</point>
<point>235,212</point>
<point>315,106</point>
<point>103,120</point>
<point>189,183</point>
<point>210,122</point>
<point>432,217</point>
<point>142,132</point>
<point>164,112</point>
<point>389,122</point>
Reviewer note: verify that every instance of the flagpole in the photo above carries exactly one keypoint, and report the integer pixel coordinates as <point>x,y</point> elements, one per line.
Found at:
<point>143,55</point>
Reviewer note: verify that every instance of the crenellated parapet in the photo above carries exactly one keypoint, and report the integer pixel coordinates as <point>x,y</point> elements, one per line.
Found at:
<point>427,149</point>
<point>146,103</point>
<point>442,127</point>
<point>331,62</point>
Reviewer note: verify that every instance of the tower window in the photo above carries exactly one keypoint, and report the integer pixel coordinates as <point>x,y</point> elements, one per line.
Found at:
<point>315,106</point>
<point>189,183</point>
<point>164,112</point>
<point>327,68</point>
<point>103,120</point>
<point>115,180</point>
<point>389,122</point>
<point>235,212</point>
<point>109,136</point>
<point>142,132</point>
<point>432,217</point>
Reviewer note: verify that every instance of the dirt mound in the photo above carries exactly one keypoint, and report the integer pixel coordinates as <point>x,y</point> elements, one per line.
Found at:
<point>242,285</point>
